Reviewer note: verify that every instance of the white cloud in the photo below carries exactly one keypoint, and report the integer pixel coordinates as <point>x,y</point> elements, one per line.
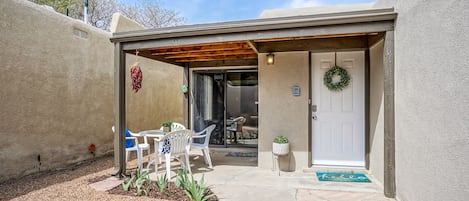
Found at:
<point>303,3</point>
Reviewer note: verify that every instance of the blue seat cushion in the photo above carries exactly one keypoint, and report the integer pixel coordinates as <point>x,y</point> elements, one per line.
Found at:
<point>128,143</point>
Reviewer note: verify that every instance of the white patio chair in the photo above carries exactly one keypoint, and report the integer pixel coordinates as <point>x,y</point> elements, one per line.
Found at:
<point>143,146</point>
<point>176,127</point>
<point>176,145</point>
<point>235,127</point>
<point>135,148</point>
<point>200,140</point>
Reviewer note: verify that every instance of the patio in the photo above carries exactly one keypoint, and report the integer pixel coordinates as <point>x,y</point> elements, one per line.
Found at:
<point>233,178</point>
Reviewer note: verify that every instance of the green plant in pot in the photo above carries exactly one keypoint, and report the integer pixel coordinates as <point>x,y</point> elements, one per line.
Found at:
<point>280,145</point>
<point>166,126</point>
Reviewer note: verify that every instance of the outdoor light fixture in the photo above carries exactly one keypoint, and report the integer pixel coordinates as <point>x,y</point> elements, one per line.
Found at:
<point>270,59</point>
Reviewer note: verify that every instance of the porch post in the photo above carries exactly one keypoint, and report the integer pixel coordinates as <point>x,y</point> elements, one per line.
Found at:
<point>367,108</point>
<point>119,110</point>
<point>389,132</point>
<point>187,96</point>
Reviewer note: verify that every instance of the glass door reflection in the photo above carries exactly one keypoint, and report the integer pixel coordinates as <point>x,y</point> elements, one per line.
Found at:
<point>208,105</point>
<point>241,108</point>
<point>237,91</point>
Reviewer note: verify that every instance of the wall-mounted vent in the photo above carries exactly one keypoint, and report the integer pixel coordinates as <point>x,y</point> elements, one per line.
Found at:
<point>80,33</point>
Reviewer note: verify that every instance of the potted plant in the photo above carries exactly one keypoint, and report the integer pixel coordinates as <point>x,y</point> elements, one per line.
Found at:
<point>280,145</point>
<point>166,126</point>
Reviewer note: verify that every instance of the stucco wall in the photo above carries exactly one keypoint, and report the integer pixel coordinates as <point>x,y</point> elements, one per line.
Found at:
<point>432,99</point>
<point>57,90</point>
<point>280,112</point>
<point>159,99</point>
<point>377,112</point>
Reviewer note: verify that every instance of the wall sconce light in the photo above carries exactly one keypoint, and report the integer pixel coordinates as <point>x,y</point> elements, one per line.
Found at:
<point>270,59</point>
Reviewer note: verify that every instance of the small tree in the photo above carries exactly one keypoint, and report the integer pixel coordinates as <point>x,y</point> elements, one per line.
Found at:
<point>148,13</point>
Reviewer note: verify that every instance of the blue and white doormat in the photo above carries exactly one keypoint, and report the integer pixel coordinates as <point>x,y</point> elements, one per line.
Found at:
<point>342,177</point>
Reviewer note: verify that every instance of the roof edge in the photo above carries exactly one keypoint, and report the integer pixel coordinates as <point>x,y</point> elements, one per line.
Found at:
<point>370,15</point>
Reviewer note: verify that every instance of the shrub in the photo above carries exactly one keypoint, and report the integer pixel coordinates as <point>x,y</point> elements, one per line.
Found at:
<point>166,124</point>
<point>281,140</point>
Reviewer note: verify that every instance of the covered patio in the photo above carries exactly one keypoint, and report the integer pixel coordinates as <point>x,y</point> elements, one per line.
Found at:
<point>246,44</point>
<point>229,181</point>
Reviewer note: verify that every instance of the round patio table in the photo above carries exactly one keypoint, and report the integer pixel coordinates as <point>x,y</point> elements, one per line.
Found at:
<point>155,134</point>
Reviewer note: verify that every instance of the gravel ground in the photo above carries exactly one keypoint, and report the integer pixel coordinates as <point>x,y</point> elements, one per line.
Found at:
<point>67,184</point>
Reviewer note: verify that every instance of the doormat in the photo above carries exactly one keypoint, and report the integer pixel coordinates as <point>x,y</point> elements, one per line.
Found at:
<point>342,177</point>
<point>242,154</point>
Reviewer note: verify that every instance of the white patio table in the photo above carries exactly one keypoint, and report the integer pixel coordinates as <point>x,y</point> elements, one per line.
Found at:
<point>156,134</point>
<point>152,133</point>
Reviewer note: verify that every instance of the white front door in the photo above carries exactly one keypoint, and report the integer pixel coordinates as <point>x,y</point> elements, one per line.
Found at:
<point>338,117</point>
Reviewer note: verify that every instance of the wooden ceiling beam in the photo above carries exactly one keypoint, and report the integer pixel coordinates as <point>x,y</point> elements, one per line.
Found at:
<point>210,53</point>
<point>215,58</point>
<point>148,55</point>
<point>224,63</point>
<point>201,44</point>
<point>253,45</point>
<point>319,44</point>
<point>200,48</point>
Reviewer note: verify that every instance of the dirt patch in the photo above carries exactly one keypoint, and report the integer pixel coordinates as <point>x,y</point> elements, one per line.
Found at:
<point>16,187</point>
<point>170,193</point>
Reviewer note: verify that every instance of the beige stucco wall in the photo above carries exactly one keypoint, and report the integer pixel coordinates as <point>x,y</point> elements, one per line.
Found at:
<point>432,99</point>
<point>281,113</point>
<point>377,112</point>
<point>121,23</point>
<point>57,91</point>
<point>159,99</point>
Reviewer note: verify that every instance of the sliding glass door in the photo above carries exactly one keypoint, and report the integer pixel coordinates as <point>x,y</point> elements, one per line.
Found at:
<point>208,104</point>
<point>241,108</point>
<point>237,91</point>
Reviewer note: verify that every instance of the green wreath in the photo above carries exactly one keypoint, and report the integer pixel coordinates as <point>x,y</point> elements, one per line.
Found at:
<point>336,71</point>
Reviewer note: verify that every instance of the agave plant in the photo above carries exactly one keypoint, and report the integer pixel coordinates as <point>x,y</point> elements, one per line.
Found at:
<point>129,184</point>
<point>196,191</point>
<point>138,180</point>
<point>182,179</point>
<point>162,182</point>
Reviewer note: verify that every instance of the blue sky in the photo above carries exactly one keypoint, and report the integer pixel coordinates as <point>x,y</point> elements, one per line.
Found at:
<point>206,11</point>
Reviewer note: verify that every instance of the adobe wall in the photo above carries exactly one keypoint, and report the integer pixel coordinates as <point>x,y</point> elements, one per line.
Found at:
<point>56,90</point>
<point>431,99</point>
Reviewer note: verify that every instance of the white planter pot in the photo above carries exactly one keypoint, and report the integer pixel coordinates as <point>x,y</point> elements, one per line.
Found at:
<point>280,149</point>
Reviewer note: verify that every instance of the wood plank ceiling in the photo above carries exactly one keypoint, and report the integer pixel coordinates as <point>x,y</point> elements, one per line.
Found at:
<point>201,52</point>
<point>234,51</point>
